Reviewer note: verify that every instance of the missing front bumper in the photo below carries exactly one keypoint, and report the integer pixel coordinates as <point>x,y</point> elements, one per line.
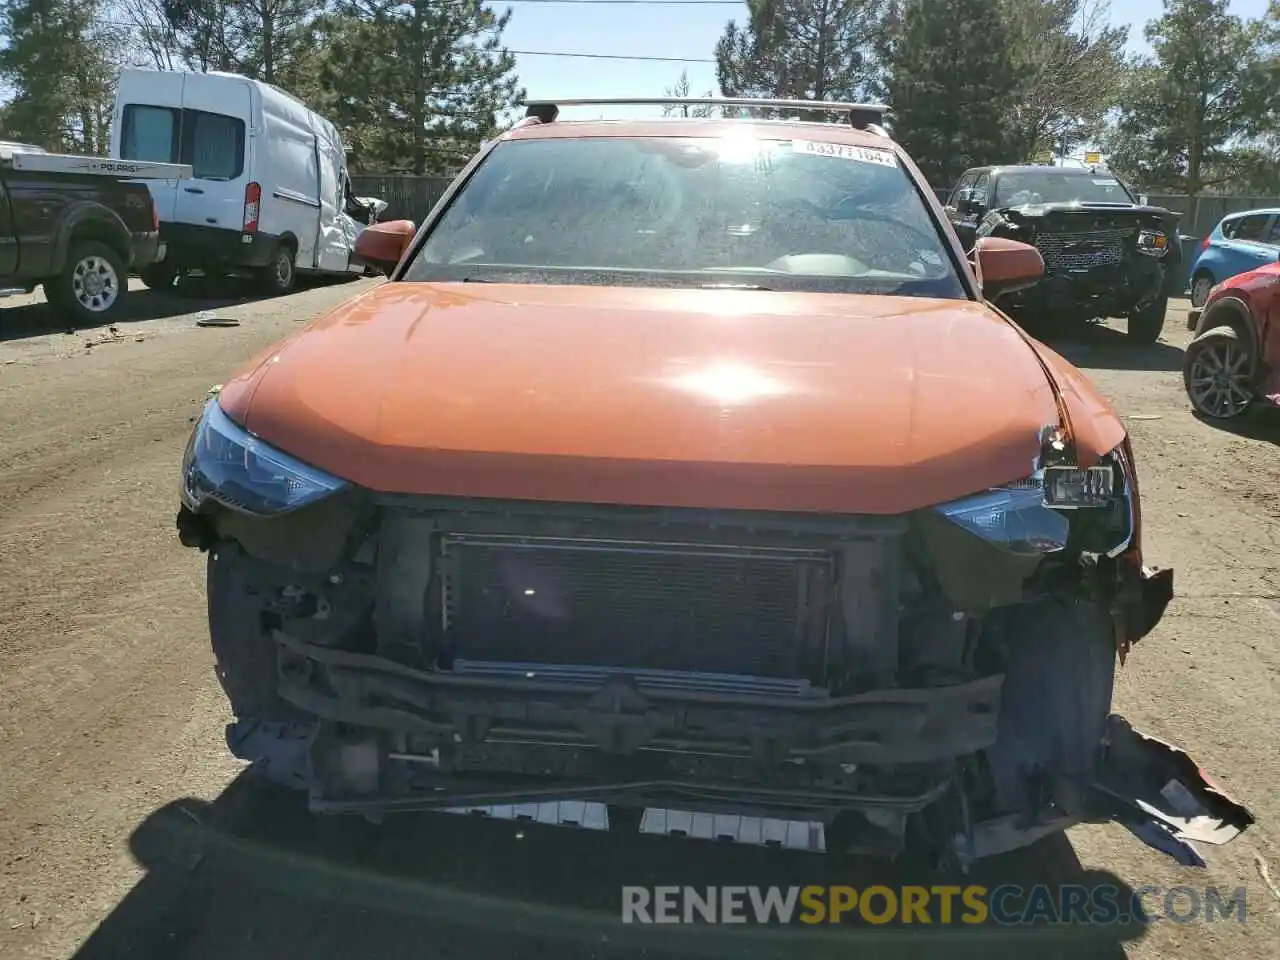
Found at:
<point>389,738</point>
<point>616,713</point>
<point>1150,787</point>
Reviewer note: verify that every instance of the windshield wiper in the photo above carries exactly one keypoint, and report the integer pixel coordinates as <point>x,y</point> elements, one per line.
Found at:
<point>734,286</point>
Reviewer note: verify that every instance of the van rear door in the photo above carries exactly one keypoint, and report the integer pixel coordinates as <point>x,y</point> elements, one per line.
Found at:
<point>147,126</point>
<point>217,142</point>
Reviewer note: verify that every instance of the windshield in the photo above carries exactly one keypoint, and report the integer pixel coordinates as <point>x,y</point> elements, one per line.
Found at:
<point>1016,189</point>
<point>704,212</point>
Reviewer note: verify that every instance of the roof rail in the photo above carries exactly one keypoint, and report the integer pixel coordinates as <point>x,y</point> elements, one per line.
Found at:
<point>863,116</point>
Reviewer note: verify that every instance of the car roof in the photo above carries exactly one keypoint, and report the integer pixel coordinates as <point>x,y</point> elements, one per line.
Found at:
<point>701,127</point>
<point>1260,211</point>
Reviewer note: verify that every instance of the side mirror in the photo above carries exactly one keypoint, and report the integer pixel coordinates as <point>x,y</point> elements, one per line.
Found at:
<point>1004,266</point>
<point>381,245</point>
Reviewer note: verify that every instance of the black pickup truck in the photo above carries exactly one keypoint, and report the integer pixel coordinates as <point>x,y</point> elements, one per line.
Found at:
<point>1105,253</point>
<point>78,226</point>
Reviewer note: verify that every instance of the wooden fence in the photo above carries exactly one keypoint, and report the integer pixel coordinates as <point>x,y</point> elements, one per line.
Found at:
<point>1201,214</point>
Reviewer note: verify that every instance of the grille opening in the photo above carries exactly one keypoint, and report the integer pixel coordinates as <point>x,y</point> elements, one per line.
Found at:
<point>696,607</point>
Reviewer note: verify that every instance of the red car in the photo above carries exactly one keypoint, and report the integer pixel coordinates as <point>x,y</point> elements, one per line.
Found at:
<point>1234,360</point>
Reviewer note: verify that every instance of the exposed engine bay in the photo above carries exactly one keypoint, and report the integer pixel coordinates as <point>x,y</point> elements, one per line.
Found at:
<point>1101,260</point>
<point>910,681</point>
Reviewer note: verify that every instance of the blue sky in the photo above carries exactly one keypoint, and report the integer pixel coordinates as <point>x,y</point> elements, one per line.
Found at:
<point>680,31</point>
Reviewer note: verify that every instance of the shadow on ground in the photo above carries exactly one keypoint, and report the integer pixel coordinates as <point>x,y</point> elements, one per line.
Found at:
<point>1096,347</point>
<point>1261,422</point>
<point>252,876</point>
<point>193,296</point>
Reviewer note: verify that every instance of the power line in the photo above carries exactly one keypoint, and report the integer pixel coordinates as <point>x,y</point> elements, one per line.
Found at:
<point>579,55</point>
<point>643,3</point>
<point>608,56</point>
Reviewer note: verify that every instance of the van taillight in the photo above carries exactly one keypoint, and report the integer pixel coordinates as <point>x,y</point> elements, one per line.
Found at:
<point>252,201</point>
<point>1204,244</point>
<point>155,216</point>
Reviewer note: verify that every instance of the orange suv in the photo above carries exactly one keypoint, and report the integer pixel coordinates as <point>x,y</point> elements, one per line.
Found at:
<point>684,463</point>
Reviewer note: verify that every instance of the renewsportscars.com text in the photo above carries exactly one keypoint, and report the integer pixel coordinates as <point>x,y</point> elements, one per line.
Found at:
<point>1006,905</point>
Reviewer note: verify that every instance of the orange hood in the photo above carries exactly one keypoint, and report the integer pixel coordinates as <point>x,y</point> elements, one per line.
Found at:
<point>695,398</point>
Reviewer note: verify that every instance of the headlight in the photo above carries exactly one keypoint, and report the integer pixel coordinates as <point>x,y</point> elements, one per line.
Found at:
<point>1012,516</point>
<point>228,464</point>
<point>1153,243</point>
<point>1034,516</point>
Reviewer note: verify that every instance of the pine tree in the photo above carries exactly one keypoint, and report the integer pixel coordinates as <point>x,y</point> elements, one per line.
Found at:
<point>803,50</point>
<point>417,84</point>
<point>273,37</point>
<point>204,32</point>
<point>57,63</point>
<point>1203,94</point>
<point>950,81</point>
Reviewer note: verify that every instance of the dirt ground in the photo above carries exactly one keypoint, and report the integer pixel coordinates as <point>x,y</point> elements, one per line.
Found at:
<point>126,829</point>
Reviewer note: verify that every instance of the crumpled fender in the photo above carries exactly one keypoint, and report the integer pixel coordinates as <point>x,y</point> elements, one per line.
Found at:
<point>1094,426</point>
<point>1139,595</point>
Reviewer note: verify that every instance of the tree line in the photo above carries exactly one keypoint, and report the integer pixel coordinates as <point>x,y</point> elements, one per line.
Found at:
<point>971,82</point>
<point>415,85</point>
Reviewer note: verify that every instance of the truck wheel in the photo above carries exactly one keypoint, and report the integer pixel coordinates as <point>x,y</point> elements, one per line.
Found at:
<point>1201,284</point>
<point>1217,373</point>
<point>1145,324</point>
<point>91,286</point>
<point>277,277</point>
<point>159,276</point>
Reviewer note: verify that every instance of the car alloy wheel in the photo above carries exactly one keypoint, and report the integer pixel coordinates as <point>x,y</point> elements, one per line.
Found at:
<point>1200,288</point>
<point>1217,375</point>
<point>95,284</point>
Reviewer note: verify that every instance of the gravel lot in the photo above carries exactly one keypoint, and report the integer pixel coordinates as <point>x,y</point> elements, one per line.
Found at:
<point>126,830</point>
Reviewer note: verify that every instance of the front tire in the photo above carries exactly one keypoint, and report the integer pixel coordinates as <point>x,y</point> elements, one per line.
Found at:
<point>159,276</point>
<point>1201,284</point>
<point>278,277</point>
<point>91,286</point>
<point>1146,323</point>
<point>1217,374</point>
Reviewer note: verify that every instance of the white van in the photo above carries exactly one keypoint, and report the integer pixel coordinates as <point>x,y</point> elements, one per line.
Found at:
<point>269,189</point>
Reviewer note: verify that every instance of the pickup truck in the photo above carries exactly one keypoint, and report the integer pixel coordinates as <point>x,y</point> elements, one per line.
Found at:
<point>1106,253</point>
<point>78,226</point>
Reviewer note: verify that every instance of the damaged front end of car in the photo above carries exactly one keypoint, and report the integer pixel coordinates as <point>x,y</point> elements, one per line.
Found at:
<point>939,679</point>
<point>1100,260</point>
